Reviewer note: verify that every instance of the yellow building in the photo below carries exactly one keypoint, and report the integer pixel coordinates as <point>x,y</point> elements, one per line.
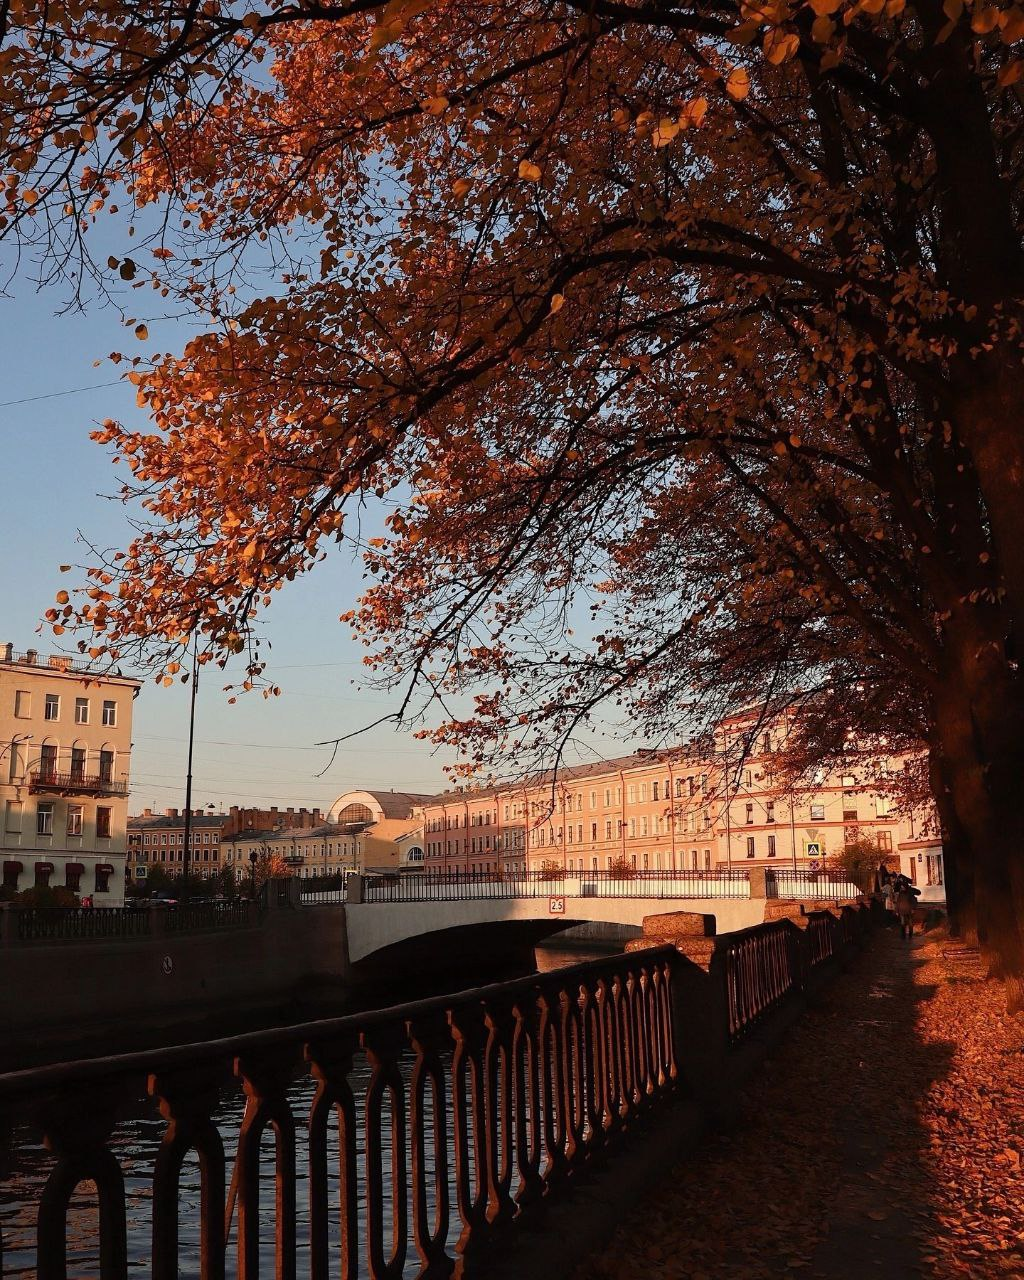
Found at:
<point>65,748</point>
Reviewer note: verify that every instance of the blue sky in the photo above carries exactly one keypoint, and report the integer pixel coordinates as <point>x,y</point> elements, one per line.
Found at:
<point>57,482</point>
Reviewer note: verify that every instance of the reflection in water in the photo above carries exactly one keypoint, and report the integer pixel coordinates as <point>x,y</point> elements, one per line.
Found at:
<point>137,1137</point>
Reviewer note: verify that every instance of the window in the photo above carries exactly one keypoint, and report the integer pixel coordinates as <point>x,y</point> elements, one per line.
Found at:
<point>643,790</point>
<point>579,804</point>
<point>73,875</point>
<point>707,859</point>
<point>632,828</point>
<point>643,825</point>
<point>750,814</point>
<point>43,872</point>
<point>103,874</point>
<point>771,846</point>
<point>849,809</point>
<point>692,784</point>
<point>769,811</point>
<point>51,710</point>
<point>750,846</point>
<point>44,819</point>
<point>593,831</point>
<point>78,763</point>
<point>632,793</point>
<point>882,806</point>
<point>849,780</point>
<point>81,711</point>
<point>607,796</point>
<point>747,778</point>
<point>679,788</point>
<point>817,813</point>
<point>23,704</point>
<point>766,744</point>
<point>109,712</point>
<point>48,758</point>
<point>884,839</point>
<point>75,812</point>
<point>608,829</point>
<point>12,818</point>
<point>655,788</point>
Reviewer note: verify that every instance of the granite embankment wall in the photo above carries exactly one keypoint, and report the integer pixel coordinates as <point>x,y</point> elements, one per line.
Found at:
<point>124,992</point>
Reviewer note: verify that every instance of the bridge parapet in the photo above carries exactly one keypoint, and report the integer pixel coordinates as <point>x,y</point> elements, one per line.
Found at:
<point>466,886</point>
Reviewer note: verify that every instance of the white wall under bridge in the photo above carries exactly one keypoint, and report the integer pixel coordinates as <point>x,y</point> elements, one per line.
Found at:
<point>375,926</point>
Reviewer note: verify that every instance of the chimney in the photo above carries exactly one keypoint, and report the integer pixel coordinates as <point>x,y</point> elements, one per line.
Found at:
<point>170,813</point>
<point>147,813</point>
<point>6,652</point>
<point>273,808</point>
<point>31,655</point>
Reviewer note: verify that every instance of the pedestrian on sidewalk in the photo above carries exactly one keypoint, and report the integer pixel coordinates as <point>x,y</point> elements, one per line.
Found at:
<point>904,902</point>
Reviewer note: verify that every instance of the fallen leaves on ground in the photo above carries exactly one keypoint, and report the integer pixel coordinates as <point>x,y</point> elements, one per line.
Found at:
<point>884,1138</point>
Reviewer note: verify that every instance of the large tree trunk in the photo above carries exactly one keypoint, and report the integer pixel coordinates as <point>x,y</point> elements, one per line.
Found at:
<point>980,727</point>
<point>957,856</point>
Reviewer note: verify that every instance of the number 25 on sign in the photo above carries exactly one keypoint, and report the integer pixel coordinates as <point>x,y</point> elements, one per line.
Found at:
<point>556,906</point>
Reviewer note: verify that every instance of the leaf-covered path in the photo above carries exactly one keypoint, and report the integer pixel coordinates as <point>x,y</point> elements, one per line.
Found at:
<point>883,1139</point>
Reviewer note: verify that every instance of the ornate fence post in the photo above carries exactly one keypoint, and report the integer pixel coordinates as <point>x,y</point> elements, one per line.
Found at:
<point>469,1118</point>
<point>187,1099</point>
<point>265,1077</point>
<point>77,1128</point>
<point>383,1046</point>
<point>429,1037</point>
<point>330,1064</point>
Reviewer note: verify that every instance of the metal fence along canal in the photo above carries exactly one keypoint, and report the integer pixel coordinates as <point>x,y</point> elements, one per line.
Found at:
<point>394,1143</point>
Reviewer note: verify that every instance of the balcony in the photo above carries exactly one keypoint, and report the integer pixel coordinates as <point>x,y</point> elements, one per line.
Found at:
<point>75,783</point>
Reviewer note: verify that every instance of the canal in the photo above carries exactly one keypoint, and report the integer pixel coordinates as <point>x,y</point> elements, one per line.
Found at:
<point>24,1166</point>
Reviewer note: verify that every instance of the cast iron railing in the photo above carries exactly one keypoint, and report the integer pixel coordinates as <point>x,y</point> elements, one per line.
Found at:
<point>46,924</point>
<point>76,782</point>
<point>475,1109</point>
<point>428,1131</point>
<point>190,916</point>
<point>768,963</point>
<point>73,924</point>
<point>785,882</point>
<point>321,897</point>
<point>466,885</point>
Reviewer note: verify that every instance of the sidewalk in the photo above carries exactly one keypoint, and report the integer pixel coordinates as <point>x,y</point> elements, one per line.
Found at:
<point>884,1139</point>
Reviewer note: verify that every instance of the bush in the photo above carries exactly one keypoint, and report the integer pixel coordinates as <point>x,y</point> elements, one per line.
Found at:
<point>52,896</point>
<point>621,868</point>
<point>857,861</point>
<point>551,870</point>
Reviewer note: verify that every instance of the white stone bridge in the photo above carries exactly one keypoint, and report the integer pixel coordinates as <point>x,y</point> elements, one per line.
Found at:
<point>400,923</point>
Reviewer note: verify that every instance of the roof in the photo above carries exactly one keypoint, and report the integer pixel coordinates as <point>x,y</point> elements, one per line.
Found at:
<point>569,773</point>
<point>393,804</point>
<point>161,821</point>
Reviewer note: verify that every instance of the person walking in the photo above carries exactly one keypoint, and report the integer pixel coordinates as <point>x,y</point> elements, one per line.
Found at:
<point>904,902</point>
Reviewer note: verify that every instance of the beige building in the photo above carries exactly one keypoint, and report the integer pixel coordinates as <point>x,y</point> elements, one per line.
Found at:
<point>65,748</point>
<point>379,824</point>
<point>324,850</point>
<point>680,811</point>
<point>158,839</point>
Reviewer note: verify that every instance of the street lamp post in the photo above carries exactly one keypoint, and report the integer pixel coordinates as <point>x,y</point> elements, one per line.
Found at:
<point>188,774</point>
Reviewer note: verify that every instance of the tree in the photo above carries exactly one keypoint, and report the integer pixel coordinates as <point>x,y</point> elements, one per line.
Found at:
<point>708,317</point>
<point>858,860</point>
